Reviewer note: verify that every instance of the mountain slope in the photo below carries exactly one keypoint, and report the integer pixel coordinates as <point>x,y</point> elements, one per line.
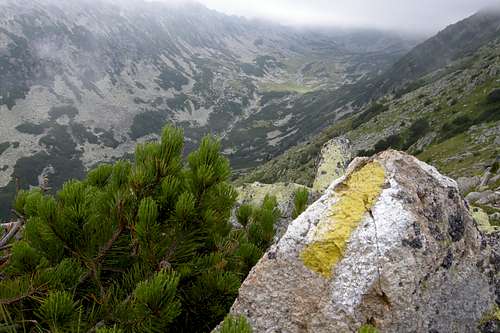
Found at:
<point>458,41</point>
<point>83,81</point>
<point>455,42</point>
<point>450,119</point>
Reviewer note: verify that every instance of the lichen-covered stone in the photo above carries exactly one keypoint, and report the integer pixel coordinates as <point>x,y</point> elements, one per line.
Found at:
<point>409,258</point>
<point>335,156</point>
<point>482,219</point>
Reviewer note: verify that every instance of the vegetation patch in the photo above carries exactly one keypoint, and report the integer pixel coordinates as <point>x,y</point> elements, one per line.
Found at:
<point>290,87</point>
<point>59,111</point>
<point>370,113</point>
<point>416,131</point>
<point>17,76</point>
<point>33,129</point>
<point>170,78</point>
<point>149,122</point>
<point>4,146</point>
<point>135,247</point>
<point>458,156</point>
<point>178,102</point>
<point>7,195</point>
<point>300,200</point>
<point>368,328</point>
<point>82,134</point>
<point>491,316</point>
<point>270,96</point>
<point>260,66</point>
<point>252,69</point>
<point>409,87</point>
<point>106,137</point>
<point>235,325</point>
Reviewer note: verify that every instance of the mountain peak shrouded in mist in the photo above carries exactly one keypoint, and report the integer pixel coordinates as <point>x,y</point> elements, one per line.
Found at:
<point>415,16</point>
<point>423,17</point>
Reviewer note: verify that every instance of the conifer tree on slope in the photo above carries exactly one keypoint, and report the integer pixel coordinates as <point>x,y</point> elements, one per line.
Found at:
<point>134,247</point>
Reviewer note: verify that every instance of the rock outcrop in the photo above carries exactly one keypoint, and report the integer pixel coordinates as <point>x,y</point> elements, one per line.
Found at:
<point>392,245</point>
<point>482,193</point>
<point>335,156</point>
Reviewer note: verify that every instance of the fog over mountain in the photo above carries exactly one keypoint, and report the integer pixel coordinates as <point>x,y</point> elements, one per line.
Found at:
<point>422,16</point>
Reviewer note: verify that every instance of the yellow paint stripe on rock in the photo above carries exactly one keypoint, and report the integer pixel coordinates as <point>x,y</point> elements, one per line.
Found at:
<point>356,196</point>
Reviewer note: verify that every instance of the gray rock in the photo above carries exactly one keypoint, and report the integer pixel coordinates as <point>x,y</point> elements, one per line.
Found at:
<point>486,178</point>
<point>474,197</point>
<point>489,198</point>
<point>494,95</point>
<point>466,184</point>
<point>494,180</point>
<point>495,216</point>
<point>391,244</point>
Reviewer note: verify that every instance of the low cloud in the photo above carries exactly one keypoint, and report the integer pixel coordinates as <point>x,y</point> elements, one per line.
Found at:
<point>425,16</point>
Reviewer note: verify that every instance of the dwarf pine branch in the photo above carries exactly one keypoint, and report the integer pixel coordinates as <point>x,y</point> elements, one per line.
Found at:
<point>134,247</point>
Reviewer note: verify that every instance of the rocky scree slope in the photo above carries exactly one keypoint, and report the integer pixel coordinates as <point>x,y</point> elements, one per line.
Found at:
<point>83,81</point>
<point>390,246</point>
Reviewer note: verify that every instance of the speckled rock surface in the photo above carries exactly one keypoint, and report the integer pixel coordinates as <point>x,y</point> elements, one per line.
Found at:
<point>396,247</point>
<point>335,156</point>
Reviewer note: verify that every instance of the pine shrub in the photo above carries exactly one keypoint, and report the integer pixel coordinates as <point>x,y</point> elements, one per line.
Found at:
<point>262,223</point>
<point>300,201</point>
<point>134,247</point>
<point>235,325</point>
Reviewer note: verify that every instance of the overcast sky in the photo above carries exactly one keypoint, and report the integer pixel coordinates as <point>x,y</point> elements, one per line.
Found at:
<point>427,16</point>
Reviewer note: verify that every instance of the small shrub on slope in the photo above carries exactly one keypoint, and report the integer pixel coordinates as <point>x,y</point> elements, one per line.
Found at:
<point>235,325</point>
<point>300,202</point>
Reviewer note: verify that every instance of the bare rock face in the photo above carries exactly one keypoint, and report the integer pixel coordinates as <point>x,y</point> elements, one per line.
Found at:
<point>390,244</point>
<point>335,156</point>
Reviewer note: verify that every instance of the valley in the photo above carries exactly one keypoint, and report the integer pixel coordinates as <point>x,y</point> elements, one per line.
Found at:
<point>448,117</point>
<point>84,82</point>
